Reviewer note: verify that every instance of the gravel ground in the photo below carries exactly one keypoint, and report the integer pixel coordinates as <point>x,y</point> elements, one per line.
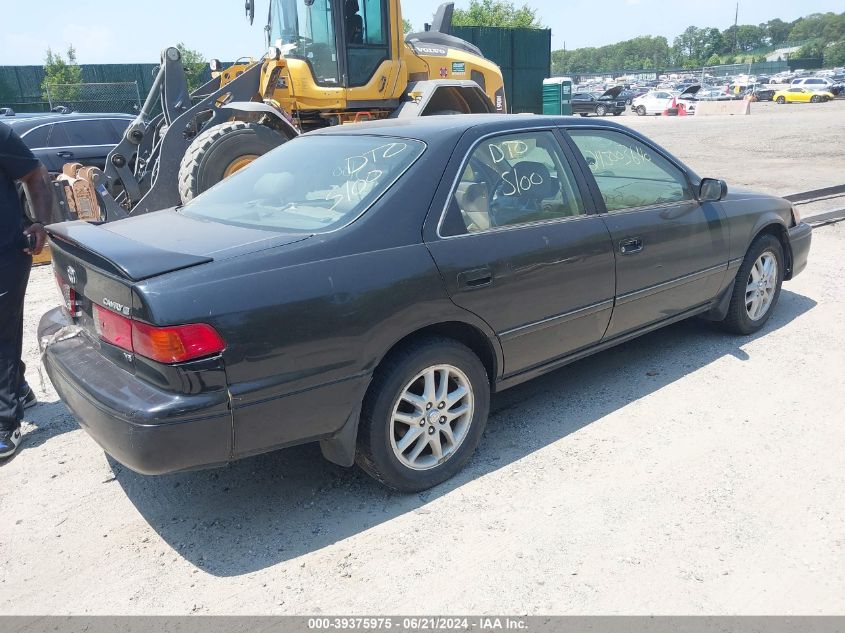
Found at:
<point>685,472</point>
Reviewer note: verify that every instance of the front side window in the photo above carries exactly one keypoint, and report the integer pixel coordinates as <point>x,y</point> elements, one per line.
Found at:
<point>309,185</point>
<point>306,31</point>
<point>628,173</point>
<point>513,179</point>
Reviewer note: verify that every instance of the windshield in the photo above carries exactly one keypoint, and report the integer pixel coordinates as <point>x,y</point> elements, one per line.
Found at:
<point>307,32</point>
<point>309,185</point>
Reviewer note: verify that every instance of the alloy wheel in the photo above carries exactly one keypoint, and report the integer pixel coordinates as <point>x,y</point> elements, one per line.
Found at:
<point>761,286</point>
<point>431,417</point>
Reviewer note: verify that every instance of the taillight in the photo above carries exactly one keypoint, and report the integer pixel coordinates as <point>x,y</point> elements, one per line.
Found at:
<point>171,344</point>
<point>113,328</point>
<point>70,298</point>
<point>176,344</point>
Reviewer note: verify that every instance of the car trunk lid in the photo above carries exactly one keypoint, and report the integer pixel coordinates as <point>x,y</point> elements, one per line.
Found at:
<point>99,265</point>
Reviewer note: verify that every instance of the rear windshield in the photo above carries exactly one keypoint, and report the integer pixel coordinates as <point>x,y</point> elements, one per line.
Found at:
<point>309,185</point>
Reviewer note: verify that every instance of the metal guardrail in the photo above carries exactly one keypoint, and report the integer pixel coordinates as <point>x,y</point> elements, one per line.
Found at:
<point>816,194</point>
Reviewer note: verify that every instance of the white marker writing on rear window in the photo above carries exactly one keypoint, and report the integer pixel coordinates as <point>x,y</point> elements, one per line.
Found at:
<point>362,168</point>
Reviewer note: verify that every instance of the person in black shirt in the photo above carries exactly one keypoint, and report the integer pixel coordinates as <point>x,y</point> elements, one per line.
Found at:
<point>17,163</point>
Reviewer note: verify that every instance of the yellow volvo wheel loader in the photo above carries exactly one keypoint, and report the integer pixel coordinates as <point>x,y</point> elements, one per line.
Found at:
<point>329,62</point>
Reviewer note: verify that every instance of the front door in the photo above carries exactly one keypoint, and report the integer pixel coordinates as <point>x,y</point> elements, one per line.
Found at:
<point>671,250</point>
<point>518,248</point>
<point>370,65</point>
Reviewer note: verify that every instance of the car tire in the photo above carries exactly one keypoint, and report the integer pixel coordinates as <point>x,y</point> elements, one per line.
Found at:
<point>220,151</point>
<point>745,314</point>
<point>583,113</point>
<point>640,110</point>
<point>380,450</point>
<point>815,99</point>
<point>781,100</point>
<point>601,110</point>
<point>616,113</point>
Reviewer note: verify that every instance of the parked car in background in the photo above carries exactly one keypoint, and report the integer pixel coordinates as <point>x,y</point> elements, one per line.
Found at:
<point>658,101</point>
<point>802,95</point>
<point>654,102</point>
<point>820,84</point>
<point>57,139</point>
<point>601,104</point>
<point>630,94</point>
<point>763,93</point>
<point>369,286</point>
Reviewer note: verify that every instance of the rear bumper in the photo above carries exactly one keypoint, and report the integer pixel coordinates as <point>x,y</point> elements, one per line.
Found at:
<point>800,237</point>
<point>150,430</point>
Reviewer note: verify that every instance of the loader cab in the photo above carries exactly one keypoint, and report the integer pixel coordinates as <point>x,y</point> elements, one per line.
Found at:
<point>344,42</point>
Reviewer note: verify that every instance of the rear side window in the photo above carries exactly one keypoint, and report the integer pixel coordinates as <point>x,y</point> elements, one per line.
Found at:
<point>76,133</point>
<point>37,137</point>
<point>628,173</point>
<point>513,179</point>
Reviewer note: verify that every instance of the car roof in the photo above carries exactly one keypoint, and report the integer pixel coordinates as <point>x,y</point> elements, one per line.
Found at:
<point>31,120</point>
<point>433,129</point>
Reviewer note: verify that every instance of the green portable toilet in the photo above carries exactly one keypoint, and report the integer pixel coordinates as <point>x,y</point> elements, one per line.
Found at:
<point>557,95</point>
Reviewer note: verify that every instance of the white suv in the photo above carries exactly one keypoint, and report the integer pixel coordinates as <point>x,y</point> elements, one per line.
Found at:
<point>813,83</point>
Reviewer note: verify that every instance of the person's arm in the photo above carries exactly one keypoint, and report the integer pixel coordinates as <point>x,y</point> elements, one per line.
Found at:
<point>37,184</point>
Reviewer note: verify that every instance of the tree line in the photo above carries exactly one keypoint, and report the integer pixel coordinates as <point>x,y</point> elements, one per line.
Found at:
<point>822,36</point>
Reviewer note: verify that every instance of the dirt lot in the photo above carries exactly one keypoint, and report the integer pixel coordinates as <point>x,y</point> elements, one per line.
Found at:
<point>686,472</point>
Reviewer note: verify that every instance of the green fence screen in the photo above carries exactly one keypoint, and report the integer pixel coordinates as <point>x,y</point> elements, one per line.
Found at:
<point>525,57</point>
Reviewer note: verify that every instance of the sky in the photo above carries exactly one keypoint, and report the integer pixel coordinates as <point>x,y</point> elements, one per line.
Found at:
<point>127,31</point>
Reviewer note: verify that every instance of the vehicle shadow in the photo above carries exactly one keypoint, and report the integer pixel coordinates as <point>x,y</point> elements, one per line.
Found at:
<point>271,508</point>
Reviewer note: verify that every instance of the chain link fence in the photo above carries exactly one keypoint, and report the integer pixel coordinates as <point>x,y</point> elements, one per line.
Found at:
<point>95,97</point>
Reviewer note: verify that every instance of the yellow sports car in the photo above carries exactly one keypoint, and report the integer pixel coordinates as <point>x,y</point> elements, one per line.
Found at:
<point>802,95</point>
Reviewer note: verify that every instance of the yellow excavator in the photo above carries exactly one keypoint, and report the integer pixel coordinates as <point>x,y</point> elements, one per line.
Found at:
<point>328,62</point>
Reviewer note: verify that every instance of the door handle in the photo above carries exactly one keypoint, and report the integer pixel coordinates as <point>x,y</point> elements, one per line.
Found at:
<point>476,278</point>
<point>631,245</point>
<point>64,154</point>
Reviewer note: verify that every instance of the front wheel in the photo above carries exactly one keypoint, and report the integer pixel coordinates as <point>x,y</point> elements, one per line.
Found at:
<point>601,110</point>
<point>640,110</point>
<point>423,415</point>
<point>757,286</point>
<point>781,100</point>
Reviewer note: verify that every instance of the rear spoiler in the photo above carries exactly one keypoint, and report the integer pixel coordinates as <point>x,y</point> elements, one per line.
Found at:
<point>117,254</point>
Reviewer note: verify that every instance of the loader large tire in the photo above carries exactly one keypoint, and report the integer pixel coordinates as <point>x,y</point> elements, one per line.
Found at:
<point>220,151</point>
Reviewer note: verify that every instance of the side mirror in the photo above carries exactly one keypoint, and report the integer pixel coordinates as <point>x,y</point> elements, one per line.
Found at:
<point>712,190</point>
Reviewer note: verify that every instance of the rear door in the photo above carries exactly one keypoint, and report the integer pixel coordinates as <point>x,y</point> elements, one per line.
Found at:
<point>671,251</point>
<point>86,141</point>
<point>582,103</point>
<point>36,139</point>
<point>518,246</point>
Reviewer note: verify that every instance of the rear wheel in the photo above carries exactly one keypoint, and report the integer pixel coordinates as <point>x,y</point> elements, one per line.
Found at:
<point>220,151</point>
<point>781,100</point>
<point>423,415</point>
<point>757,286</point>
